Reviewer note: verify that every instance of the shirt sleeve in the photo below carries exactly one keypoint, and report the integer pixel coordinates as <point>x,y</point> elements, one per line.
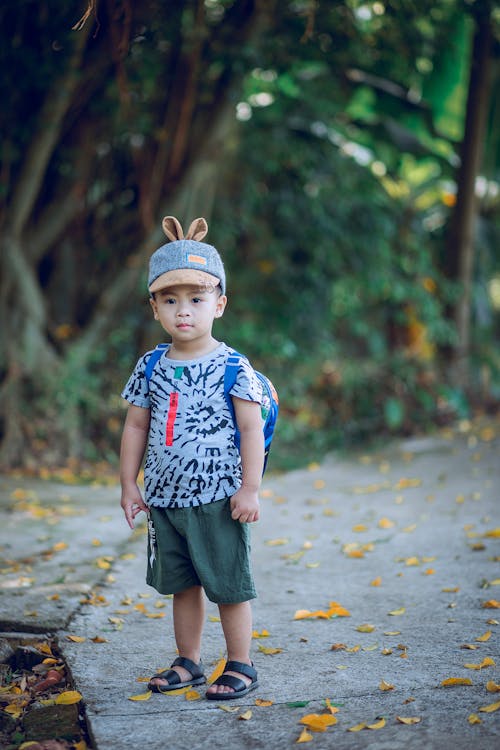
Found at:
<point>247,386</point>
<point>136,390</point>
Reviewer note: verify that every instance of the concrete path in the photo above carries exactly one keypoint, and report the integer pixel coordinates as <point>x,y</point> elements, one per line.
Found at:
<point>406,540</point>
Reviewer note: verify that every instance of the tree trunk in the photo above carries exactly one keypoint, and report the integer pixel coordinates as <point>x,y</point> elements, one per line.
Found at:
<point>460,245</point>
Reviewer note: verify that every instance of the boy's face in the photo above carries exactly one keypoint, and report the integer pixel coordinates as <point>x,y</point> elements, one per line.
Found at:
<point>187,312</point>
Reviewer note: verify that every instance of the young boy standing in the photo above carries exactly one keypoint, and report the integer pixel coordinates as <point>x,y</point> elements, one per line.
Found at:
<point>201,492</point>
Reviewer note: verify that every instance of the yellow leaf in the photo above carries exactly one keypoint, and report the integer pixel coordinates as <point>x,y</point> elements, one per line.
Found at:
<point>193,695</point>
<point>493,533</point>
<point>318,722</point>
<point>451,681</point>
<point>378,725</point>
<point>277,542</point>
<point>451,590</point>
<point>304,736</point>
<point>27,745</point>
<point>219,669</point>
<point>487,662</point>
<point>155,615</point>
<point>142,696</point>
<point>269,651</point>
<point>429,572</point>
<point>376,581</point>
<point>489,709</point>
<point>50,661</point>
<point>396,612</point>
<point>337,610</point>
<point>474,719</point>
<point>59,546</point>
<point>408,719</point>
<point>385,523</point>
<point>76,638</point>
<point>98,639</point>
<point>386,685</point>
<point>412,561</point>
<point>360,527</point>
<point>179,691</point>
<point>68,698</point>
<point>263,703</point>
<point>492,687</point>
<point>213,618</point>
<point>366,628</point>
<point>485,637</point>
<point>495,582</point>
<point>491,604</point>
<point>392,632</point>
<point>357,727</point>
<point>246,716</point>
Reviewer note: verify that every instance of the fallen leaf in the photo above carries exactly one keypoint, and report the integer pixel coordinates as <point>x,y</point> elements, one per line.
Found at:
<point>474,719</point>
<point>366,628</point>
<point>392,632</point>
<point>213,618</point>
<point>318,722</point>
<point>359,528</point>
<point>451,590</point>
<point>485,637</point>
<point>76,638</point>
<point>219,669</point>
<point>357,727</point>
<point>263,703</point>
<point>376,581</point>
<point>142,696</point>
<point>304,736</point>
<point>492,533</point>
<point>491,604</point>
<point>269,651</point>
<point>451,681</point>
<point>277,542</point>
<point>487,662</point>
<point>386,523</point>
<point>380,724</point>
<point>98,639</point>
<point>396,612</point>
<point>408,719</point>
<point>489,709</point>
<point>68,698</point>
<point>385,686</point>
<point>492,687</point>
<point>228,709</point>
<point>246,716</point>
<point>192,695</point>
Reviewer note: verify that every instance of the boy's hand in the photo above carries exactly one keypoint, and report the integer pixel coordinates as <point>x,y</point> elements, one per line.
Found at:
<point>132,503</point>
<point>245,505</point>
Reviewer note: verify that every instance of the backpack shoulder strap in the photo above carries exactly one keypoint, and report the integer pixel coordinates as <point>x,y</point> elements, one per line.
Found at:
<point>155,356</point>
<point>230,375</point>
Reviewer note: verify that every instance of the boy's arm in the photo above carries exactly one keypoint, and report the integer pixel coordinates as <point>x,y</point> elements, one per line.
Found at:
<point>245,502</point>
<point>133,445</point>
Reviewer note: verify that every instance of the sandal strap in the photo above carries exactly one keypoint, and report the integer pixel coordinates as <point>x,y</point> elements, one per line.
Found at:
<point>238,666</point>
<point>196,670</point>
<point>232,682</point>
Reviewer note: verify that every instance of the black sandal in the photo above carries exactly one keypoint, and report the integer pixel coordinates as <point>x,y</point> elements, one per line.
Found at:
<point>173,679</point>
<point>240,688</point>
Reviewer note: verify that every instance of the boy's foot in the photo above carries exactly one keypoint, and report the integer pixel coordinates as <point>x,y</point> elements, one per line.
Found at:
<point>182,673</point>
<point>236,680</point>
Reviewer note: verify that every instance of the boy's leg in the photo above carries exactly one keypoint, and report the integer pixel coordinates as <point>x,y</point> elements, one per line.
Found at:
<point>189,618</point>
<point>236,622</point>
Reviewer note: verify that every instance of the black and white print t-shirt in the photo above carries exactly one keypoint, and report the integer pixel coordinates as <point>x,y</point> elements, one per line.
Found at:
<point>191,456</point>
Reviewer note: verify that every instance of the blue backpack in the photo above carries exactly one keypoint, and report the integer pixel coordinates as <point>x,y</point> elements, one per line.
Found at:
<point>270,401</point>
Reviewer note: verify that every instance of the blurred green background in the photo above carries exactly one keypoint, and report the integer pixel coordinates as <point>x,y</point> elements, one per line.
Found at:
<point>346,155</point>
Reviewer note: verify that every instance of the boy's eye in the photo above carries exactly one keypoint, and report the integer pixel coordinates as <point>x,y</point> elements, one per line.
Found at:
<point>197,299</point>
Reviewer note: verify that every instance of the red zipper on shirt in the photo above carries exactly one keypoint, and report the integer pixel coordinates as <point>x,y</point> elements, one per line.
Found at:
<point>172,413</point>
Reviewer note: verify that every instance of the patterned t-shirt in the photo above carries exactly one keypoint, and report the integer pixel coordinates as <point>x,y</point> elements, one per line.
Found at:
<point>191,456</point>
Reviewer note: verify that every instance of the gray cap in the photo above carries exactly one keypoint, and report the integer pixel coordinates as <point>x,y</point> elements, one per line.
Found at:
<point>185,261</point>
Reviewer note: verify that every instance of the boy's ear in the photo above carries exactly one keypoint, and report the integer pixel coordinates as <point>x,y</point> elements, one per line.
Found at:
<point>221,306</point>
<point>172,228</point>
<point>152,302</point>
<point>197,230</point>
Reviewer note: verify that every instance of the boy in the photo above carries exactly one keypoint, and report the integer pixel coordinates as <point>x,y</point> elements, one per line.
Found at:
<point>201,492</point>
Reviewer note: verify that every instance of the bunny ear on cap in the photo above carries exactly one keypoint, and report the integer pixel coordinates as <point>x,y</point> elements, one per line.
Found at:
<point>172,228</point>
<point>197,230</point>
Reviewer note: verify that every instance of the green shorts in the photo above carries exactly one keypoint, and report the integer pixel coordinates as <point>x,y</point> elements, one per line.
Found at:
<point>200,546</point>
